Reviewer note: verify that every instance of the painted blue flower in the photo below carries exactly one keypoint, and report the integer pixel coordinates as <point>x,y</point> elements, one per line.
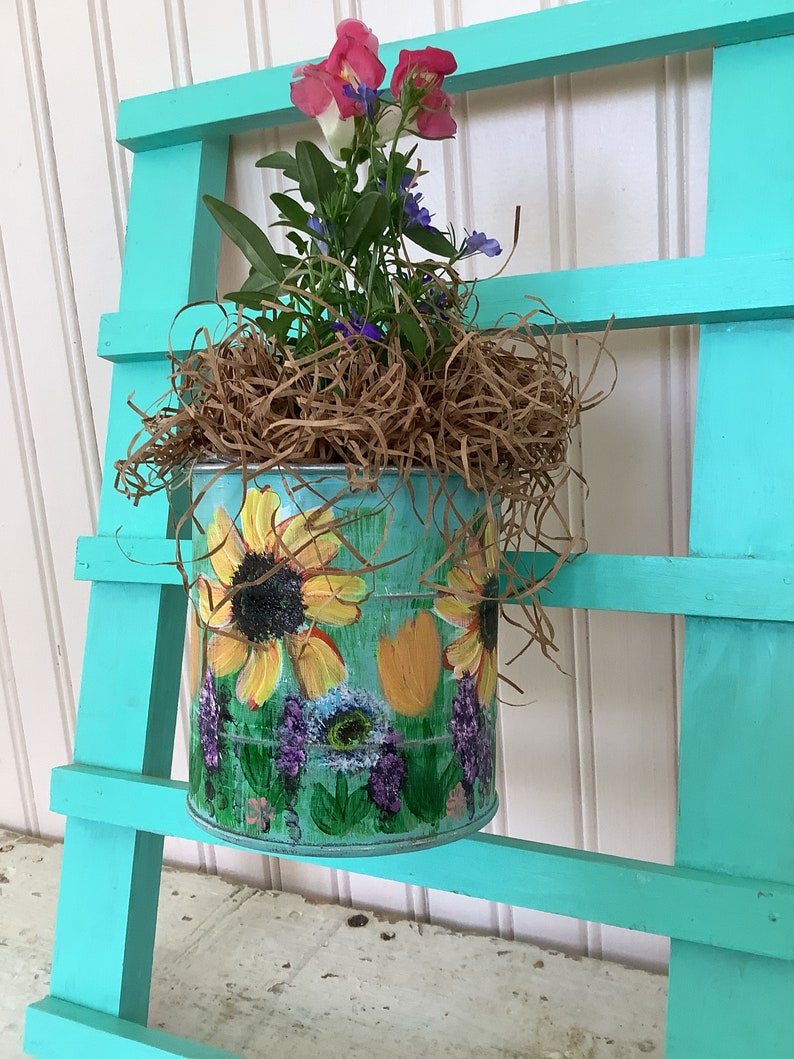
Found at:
<point>349,727</point>
<point>366,95</point>
<point>357,325</point>
<point>479,243</point>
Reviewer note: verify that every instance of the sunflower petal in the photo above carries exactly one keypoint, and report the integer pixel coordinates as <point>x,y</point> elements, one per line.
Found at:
<point>224,545</point>
<point>458,612</point>
<point>332,598</point>
<point>317,662</point>
<point>226,654</point>
<point>214,614</point>
<point>258,518</point>
<point>486,678</point>
<point>490,549</point>
<point>463,583</point>
<point>464,654</point>
<point>259,676</point>
<point>308,539</point>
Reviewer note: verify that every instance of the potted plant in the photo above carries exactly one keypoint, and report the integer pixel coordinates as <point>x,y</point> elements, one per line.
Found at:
<point>362,460</point>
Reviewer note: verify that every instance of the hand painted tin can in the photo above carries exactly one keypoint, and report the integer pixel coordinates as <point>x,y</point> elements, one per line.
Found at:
<point>343,703</point>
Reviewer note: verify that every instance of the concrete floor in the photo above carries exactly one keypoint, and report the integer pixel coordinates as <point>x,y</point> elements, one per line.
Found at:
<point>272,975</point>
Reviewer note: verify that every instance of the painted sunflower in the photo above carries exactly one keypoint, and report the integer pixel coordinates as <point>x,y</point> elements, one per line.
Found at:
<point>272,584</point>
<point>472,605</point>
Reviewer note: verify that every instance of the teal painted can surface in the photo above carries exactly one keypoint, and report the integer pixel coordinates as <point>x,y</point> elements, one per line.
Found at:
<point>344,663</point>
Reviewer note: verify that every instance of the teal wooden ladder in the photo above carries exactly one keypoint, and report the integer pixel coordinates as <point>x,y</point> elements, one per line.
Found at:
<point>728,903</point>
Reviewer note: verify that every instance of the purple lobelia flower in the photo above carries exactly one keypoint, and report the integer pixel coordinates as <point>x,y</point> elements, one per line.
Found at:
<point>479,243</point>
<point>416,216</point>
<point>366,95</point>
<point>357,325</point>
<point>211,714</point>
<point>386,777</point>
<point>322,233</point>
<point>291,735</point>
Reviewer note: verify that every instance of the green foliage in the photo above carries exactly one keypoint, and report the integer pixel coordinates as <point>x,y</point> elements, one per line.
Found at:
<point>431,775</point>
<point>256,763</point>
<point>369,259</point>
<point>338,813</point>
<point>250,238</point>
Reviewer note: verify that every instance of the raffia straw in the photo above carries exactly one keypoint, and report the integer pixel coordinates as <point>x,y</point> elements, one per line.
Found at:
<point>498,410</point>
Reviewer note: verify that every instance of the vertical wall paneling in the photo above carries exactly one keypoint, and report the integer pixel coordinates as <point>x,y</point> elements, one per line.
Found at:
<point>607,166</point>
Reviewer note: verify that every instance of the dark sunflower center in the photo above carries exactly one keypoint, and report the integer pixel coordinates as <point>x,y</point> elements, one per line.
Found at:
<point>268,602</point>
<point>349,730</point>
<point>489,613</point>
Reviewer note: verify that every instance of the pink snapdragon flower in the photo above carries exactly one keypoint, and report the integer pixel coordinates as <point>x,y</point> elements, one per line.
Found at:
<point>320,91</point>
<point>423,71</point>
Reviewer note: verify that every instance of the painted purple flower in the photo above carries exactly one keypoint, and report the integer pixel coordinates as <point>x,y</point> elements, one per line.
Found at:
<point>322,231</point>
<point>211,713</point>
<point>291,734</point>
<point>366,95</point>
<point>357,325</point>
<point>386,777</point>
<point>466,726</point>
<point>485,754</point>
<point>479,243</point>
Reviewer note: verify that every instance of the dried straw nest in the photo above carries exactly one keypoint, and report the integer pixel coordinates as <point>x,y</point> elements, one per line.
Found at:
<point>498,410</point>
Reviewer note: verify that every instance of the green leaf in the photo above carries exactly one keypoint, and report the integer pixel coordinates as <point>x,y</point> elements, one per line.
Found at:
<point>248,299</point>
<point>282,160</point>
<point>197,773</point>
<point>301,245</point>
<point>358,806</point>
<point>325,812</point>
<point>431,240</point>
<point>248,236</point>
<point>290,209</point>
<point>316,175</point>
<point>257,766</point>
<point>414,332</point>
<point>257,282</point>
<point>341,791</point>
<point>451,776</point>
<point>368,220</point>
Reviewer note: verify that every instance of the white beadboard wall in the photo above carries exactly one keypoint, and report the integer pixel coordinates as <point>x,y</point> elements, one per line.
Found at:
<point>609,166</point>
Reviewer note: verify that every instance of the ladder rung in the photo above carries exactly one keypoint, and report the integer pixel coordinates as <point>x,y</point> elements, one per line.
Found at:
<point>706,907</point>
<point>58,1029</point>
<point>560,40</point>
<point>757,589</point>
<point>686,290</point>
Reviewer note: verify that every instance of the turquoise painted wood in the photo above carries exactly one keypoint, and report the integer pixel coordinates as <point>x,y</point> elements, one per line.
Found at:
<point>650,584</point>
<point>736,784</point>
<point>704,906</point>
<point>694,290</point>
<point>560,40</point>
<point>57,1029</point>
<point>729,901</point>
<point>110,876</point>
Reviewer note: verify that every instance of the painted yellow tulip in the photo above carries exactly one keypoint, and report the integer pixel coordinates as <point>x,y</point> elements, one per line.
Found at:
<point>410,664</point>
